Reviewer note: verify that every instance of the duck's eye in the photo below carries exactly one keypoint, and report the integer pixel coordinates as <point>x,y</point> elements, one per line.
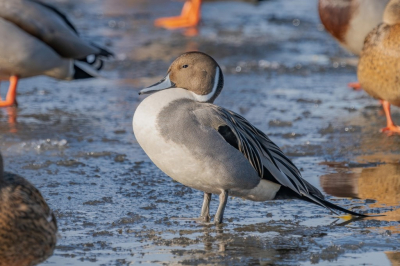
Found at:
<point>185,66</point>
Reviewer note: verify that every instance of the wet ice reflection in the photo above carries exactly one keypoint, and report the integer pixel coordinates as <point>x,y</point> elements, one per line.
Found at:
<point>379,186</point>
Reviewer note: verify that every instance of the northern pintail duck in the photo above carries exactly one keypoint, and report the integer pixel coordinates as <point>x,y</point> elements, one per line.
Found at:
<point>350,21</point>
<point>28,227</point>
<point>212,149</point>
<point>379,63</point>
<point>190,15</point>
<point>37,39</point>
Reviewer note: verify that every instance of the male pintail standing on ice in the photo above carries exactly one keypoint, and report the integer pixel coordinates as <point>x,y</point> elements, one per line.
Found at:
<point>212,149</point>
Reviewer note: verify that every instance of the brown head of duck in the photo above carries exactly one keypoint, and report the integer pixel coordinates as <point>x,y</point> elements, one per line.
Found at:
<point>379,63</point>
<point>28,227</point>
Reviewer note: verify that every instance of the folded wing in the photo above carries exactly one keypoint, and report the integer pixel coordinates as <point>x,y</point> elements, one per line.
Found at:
<point>265,156</point>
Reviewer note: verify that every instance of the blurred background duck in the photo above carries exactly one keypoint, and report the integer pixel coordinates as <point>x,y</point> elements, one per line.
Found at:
<point>350,21</point>
<point>190,15</point>
<point>379,65</point>
<point>28,227</point>
<point>37,39</point>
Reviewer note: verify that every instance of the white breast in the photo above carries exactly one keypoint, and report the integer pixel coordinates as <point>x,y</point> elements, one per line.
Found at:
<point>173,159</point>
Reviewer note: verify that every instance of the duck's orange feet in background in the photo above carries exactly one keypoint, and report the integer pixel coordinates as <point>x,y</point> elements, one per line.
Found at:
<point>11,98</point>
<point>190,17</point>
<point>390,128</point>
<point>354,85</point>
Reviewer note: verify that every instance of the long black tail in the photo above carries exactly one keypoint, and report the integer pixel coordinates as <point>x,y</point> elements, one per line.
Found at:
<point>286,193</point>
<point>330,206</point>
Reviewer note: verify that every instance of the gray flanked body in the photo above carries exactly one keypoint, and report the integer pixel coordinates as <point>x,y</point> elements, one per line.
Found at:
<point>23,54</point>
<point>212,149</point>
<point>179,137</point>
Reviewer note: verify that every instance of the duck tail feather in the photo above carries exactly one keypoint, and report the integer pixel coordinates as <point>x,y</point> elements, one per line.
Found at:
<point>103,52</point>
<point>96,61</point>
<point>332,206</point>
<point>286,193</point>
<point>83,70</point>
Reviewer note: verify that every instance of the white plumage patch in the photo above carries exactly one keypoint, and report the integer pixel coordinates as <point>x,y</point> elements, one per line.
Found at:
<point>266,190</point>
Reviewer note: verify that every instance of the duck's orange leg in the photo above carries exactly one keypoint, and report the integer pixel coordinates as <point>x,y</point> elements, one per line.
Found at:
<point>354,85</point>
<point>11,94</point>
<point>190,17</point>
<point>391,128</point>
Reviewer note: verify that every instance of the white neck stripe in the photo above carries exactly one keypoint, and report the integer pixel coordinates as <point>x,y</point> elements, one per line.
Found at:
<point>207,97</point>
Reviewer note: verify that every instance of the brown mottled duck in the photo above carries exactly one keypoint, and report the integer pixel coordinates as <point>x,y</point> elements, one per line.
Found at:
<point>28,227</point>
<point>379,65</point>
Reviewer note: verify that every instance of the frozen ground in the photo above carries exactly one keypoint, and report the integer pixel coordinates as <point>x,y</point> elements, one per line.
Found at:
<point>74,141</point>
